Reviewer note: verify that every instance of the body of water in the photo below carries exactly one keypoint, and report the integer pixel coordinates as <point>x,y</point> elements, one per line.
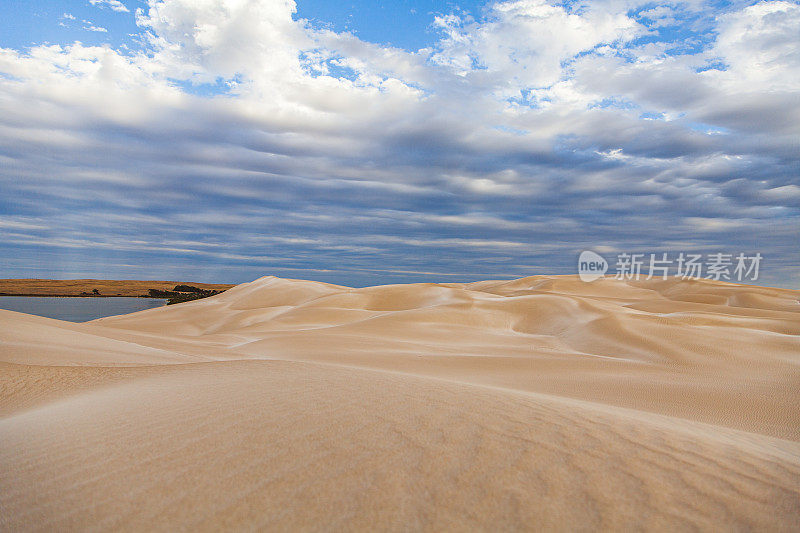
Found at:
<point>77,309</point>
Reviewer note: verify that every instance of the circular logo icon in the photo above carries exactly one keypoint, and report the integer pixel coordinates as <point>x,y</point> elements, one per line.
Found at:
<point>591,266</point>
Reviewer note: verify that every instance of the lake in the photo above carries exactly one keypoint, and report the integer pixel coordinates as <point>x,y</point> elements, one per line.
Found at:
<point>77,309</point>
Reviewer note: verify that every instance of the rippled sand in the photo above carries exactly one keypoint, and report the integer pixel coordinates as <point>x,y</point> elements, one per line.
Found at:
<point>536,403</point>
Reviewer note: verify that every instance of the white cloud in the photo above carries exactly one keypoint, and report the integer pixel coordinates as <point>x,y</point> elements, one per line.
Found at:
<point>92,27</point>
<point>761,46</point>
<point>115,5</point>
<point>204,40</point>
<point>523,43</point>
<point>660,15</point>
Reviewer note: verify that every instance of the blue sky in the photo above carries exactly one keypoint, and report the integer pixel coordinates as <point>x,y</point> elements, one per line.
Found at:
<point>378,142</point>
<point>27,24</point>
<point>405,24</point>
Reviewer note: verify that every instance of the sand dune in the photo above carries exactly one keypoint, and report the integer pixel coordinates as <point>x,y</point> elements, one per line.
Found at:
<point>542,402</point>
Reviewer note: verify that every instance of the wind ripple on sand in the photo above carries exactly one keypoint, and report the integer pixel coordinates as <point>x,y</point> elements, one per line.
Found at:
<point>527,404</point>
<point>252,444</point>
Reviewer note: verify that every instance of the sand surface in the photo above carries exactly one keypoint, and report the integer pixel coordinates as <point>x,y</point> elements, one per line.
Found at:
<point>538,403</point>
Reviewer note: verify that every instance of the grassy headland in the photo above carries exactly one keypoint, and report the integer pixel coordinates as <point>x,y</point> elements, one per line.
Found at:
<point>109,288</point>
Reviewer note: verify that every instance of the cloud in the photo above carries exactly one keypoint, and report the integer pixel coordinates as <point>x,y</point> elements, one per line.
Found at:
<point>206,40</point>
<point>91,27</point>
<point>243,139</point>
<point>524,43</point>
<point>115,5</point>
<point>759,45</point>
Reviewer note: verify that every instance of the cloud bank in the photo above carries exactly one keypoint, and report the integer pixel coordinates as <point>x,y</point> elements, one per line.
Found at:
<point>240,140</point>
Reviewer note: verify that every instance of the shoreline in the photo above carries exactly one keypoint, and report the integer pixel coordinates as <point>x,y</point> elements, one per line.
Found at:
<point>82,296</point>
<point>98,288</point>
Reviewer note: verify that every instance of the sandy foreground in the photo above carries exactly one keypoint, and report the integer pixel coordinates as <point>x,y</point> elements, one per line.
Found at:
<point>538,403</point>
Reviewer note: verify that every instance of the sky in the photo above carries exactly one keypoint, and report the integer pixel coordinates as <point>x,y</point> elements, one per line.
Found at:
<point>367,142</point>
